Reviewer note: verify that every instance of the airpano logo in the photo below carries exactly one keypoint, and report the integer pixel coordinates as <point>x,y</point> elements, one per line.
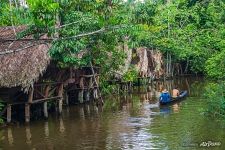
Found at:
<point>202,144</point>
<point>210,144</point>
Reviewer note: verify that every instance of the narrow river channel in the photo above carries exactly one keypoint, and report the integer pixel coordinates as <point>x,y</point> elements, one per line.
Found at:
<point>129,121</point>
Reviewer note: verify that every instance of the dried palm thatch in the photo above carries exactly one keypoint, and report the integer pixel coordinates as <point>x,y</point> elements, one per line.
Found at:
<point>21,62</point>
<point>149,63</point>
<point>142,65</point>
<point>157,56</point>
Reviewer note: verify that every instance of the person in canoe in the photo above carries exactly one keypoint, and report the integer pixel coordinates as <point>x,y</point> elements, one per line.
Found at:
<point>165,96</point>
<point>175,92</point>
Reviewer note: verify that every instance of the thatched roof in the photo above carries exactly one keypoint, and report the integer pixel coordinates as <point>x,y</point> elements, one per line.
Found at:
<point>21,61</point>
<point>148,62</point>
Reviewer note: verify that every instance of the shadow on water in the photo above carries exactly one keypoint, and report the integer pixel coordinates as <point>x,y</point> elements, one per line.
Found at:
<point>128,121</point>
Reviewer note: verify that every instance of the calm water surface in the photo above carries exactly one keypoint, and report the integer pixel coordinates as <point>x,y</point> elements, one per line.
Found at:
<point>131,121</point>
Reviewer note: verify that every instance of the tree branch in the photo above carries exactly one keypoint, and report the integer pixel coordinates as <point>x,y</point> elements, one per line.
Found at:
<point>65,25</point>
<point>93,32</point>
<point>82,35</point>
<point>17,50</point>
<point>65,38</point>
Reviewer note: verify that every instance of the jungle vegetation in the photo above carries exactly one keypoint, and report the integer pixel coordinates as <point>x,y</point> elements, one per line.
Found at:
<point>191,32</point>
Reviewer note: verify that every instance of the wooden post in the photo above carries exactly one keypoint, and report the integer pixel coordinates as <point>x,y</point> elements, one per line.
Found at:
<point>27,113</point>
<point>97,79</point>
<point>90,83</point>
<point>60,93</point>
<point>30,97</point>
<point>9,113</point>
<point>81,96</point>
<point>66,98</point>
<point>95,93</point>
<point>45,105</point>
<point>27,105</point>
<point>81,91</point>
<point>87,95</point>
<point>81,82</point>
<point>96,82</point>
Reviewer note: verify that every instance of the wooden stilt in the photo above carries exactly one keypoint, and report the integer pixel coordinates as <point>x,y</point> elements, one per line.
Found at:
<point>27,113</point>
<point>30,97</point>
<point>27,106</point>
<point>45,104</point>
<point>96,82</point>
<point>95,93</point>
<point>90,85</point>
<point>60,93</point>
<point>87,95</point>
<point>81,92</point>
<point>60,105</point>
<point>81,96</point>
<point>9,113</point>
<point>66,98</point>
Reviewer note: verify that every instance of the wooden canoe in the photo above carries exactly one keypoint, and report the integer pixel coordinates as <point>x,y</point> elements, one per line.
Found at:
<point>182,95</point>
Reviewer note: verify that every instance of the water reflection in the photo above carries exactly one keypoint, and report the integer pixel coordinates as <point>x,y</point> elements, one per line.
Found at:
<point>176,108</point>
<point>46,129</point>
<point>128,121</point>
<point>61,125</point>
<point>10,136</point>
<point>28,135</point>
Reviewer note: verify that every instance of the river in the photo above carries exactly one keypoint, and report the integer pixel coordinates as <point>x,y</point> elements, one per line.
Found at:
<point>128,121</point>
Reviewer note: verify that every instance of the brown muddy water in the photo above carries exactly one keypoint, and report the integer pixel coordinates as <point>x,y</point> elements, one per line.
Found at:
<point>126,122</point>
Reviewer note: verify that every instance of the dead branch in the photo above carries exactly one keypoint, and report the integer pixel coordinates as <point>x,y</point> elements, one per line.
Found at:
<point>19,49</point>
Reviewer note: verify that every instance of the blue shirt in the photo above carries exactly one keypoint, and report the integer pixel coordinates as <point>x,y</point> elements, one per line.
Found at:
<point>164,97</point>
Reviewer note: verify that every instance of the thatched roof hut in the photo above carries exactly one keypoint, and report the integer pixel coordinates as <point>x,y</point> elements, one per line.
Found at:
<point>21,61</point>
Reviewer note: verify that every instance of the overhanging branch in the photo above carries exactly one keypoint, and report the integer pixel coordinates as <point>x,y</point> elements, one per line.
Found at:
<point>19,49</point>
<point>65,38</point>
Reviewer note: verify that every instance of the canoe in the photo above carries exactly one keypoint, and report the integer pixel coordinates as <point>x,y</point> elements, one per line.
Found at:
<point>182,95</point>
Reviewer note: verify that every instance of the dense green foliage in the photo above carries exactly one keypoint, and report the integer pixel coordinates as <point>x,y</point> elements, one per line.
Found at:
<point>191,31</point>
<point>130,75</point>
<point>10,15</point>
<point>99,48</point>
<point>215,95</point>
